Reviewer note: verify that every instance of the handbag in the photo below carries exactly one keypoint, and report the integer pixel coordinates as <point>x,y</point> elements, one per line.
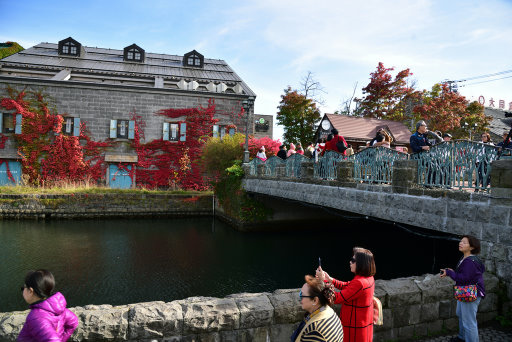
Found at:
<point>467,293</point>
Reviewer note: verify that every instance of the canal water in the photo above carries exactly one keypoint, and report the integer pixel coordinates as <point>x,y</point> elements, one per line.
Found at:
<point>128,261</point>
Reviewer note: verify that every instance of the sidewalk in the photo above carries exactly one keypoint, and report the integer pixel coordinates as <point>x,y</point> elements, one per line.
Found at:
<point>486,335</point>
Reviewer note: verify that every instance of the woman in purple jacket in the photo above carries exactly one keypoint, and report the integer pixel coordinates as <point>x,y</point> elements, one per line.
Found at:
<point>469,271</point>
<point>48,320</point>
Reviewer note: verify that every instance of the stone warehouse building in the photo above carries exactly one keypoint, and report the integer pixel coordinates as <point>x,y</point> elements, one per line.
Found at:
<point>104,87</point>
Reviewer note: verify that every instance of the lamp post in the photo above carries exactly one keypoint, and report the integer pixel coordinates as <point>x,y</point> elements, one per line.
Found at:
<point>247,105</point>
<point>470,128</point>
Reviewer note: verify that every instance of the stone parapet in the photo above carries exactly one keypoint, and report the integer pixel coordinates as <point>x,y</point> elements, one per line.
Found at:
<point>103,205</point>
<point>415,306</point>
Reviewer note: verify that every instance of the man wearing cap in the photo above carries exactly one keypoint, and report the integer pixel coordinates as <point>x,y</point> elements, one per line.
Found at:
<point>418,140</point>
<point>447,137</point>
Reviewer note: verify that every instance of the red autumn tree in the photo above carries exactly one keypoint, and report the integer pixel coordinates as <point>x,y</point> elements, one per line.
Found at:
<point>384,97</point>
<point>271,146</point>
<point>448,111</point>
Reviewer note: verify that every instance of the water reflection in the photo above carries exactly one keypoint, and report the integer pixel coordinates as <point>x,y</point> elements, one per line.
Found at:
<point>128,261</point>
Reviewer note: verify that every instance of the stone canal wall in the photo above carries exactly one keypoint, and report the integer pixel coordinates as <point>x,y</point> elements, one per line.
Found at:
<point>84,206</point>
<point>413,307</point>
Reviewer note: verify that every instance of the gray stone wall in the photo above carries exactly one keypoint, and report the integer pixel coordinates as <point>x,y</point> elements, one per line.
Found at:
<point>97,105</point>
<point>488,217</point>
<point>103,205</point>
<point>413,307</point>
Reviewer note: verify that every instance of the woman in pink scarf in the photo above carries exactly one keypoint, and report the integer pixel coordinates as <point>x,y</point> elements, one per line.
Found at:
<point>291,150</point>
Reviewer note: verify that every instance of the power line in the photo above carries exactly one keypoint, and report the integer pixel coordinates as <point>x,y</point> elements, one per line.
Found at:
<point>483,76</point>
<point>496,79</point>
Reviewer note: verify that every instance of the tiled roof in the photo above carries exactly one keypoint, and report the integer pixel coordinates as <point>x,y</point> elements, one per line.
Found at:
<point>499,121</point>
<point>110,61</point>
<point>358,128</point>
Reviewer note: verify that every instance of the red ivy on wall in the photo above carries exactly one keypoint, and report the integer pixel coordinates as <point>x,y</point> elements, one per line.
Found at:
<point>46,154</point>
<point>175,163</point>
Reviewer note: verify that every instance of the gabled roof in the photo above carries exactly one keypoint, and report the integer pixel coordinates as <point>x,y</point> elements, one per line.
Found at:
<point>357,128</point>
<point>499,121</point>
<point>110,61</point>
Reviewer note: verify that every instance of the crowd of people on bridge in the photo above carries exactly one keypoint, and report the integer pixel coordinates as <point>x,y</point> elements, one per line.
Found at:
<point>421,141</point>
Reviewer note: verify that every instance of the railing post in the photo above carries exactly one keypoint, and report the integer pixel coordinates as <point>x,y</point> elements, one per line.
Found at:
<point>260,170</point>
<point>280,171</point>
<point>307,171</point>
<point>247,170</point>
<point>405,175</point>
<point>501,179</point>
<point>345,171</point>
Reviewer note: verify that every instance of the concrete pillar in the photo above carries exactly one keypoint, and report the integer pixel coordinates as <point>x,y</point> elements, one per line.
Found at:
<point>345,171</point>
<point>405,175</point>
<point>501,178</point>
<point>307,171</point>
<point>260,170</point>
<point>247,170</point>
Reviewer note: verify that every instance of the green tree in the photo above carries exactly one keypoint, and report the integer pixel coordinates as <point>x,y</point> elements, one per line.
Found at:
<point>298,115</point>
<point>9,48</point>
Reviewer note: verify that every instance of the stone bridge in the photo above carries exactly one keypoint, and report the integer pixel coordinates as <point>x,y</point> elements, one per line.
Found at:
<point>399,198</point>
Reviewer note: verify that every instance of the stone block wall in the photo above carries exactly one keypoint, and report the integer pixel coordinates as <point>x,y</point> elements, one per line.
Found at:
<point>413,307</point>
<point>97,105</point>
<point>122,205</point>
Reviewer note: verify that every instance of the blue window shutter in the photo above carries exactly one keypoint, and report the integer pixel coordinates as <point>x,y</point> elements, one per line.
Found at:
<point>17,129</point>
<point>1,122</point>
<point>231,131</point>
<point>131,129</point>
<point>165,132</point>
<point>76,127</point>
<point>183,131</point>
<point>113,129</point>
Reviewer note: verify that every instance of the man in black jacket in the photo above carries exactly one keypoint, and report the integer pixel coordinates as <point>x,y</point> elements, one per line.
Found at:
<point>282,152</point>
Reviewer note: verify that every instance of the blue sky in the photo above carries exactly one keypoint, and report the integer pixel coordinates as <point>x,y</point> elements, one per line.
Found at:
<point>274,43</point>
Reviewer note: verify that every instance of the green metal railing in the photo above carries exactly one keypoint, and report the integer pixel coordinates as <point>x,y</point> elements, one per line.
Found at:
<point>325,168</point>
<point>457,164</point>
<point>271,164</point>
<point>375,164</point>
<point>253,166</point>
<point>293,165</point>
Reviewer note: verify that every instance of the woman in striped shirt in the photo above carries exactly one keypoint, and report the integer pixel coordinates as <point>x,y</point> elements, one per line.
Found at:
<point>320,324</point>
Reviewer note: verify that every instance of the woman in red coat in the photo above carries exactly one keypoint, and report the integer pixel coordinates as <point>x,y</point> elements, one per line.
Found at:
<point>356,297</point>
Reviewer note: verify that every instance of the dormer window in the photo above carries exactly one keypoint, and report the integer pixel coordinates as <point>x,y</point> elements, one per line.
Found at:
<point>69,47</point>
<point>134,53</point>
<point>193,59</point>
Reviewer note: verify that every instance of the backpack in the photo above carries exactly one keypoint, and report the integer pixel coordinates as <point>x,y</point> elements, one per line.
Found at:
<point>340,145</point>
<point>377,312</point>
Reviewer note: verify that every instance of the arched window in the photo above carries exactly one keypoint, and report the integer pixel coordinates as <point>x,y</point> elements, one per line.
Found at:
<point>193,59</point>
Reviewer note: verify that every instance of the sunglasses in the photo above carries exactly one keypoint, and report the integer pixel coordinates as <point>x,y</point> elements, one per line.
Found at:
<point>302,296</point>
<point>353,260</point>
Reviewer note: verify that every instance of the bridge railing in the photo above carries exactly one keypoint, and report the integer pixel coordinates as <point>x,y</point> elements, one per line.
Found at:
<point>272,164</point>
<point>375,164</point>
<point>458,164</point>
<point>325,168</point>
<point>253,166</point>
<point>293,165</point>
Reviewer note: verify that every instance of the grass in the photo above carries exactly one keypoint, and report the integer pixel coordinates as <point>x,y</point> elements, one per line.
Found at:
<point>87,189</point>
